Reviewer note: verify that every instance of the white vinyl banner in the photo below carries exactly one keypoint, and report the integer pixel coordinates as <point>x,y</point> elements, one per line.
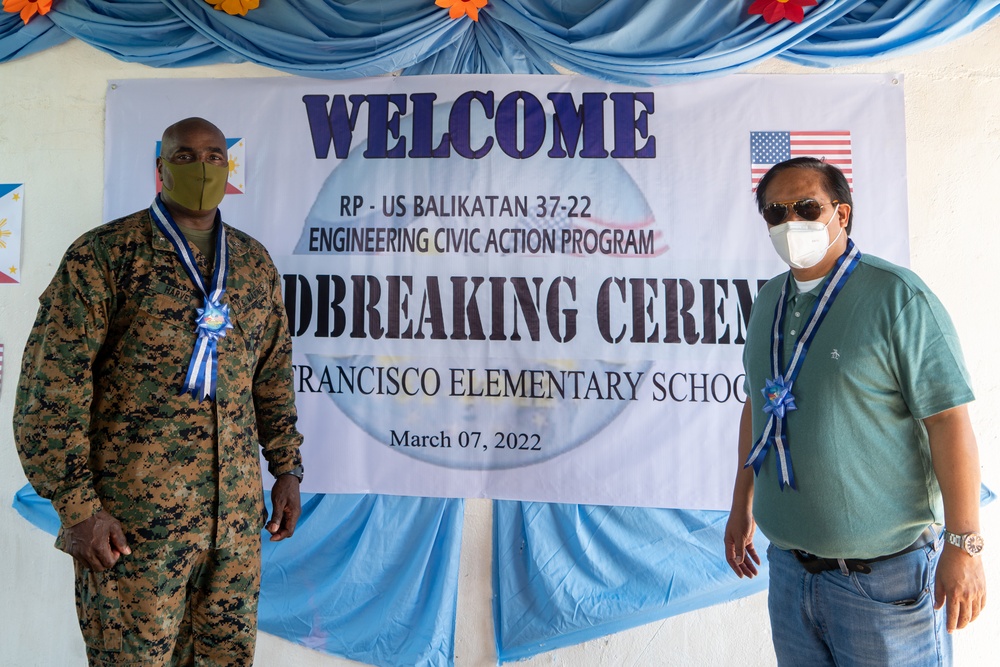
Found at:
<point>522,287</point>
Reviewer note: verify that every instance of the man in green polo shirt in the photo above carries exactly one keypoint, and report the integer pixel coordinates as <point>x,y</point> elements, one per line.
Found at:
<point>857,456</point>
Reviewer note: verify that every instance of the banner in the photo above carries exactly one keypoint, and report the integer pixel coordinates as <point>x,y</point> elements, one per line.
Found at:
<point>521,287</point>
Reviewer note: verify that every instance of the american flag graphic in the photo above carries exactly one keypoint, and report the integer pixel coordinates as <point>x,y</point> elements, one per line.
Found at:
<point>769,148</point>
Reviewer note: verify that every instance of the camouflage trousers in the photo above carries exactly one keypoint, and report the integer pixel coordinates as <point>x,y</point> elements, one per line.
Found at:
<point>172,604</point>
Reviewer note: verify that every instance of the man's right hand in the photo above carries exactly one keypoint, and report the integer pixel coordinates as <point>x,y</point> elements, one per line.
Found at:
<point>739,544</point>
<point>741,526</point>
<point>97,543</point>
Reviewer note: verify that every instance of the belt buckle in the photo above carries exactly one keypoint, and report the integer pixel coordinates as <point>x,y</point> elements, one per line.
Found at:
<point>859,566</point>
<point>815,565</point>
<point>812,564</point>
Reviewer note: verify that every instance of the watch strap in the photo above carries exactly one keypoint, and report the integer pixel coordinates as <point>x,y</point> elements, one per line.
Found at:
<point>954,539</point>
<point>970,543</point>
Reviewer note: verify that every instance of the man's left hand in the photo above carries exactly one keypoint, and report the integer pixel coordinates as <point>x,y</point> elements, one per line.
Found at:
<point>961,582</point>
<point>287,506</point>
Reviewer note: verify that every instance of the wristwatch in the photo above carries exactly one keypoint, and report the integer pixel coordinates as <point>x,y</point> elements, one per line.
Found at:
<point>296,472</point>
<point>970,543</point>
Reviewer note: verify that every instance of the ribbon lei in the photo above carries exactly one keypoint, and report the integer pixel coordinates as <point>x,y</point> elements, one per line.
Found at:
<point>213,320</point>
<point>777,390</point>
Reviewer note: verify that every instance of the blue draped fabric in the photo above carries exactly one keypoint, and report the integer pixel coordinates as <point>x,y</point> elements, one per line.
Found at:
<point>629,41</point>
<point>37,510</point>
<point>18,40</point>
<point>139,31</point>
<point>882,29</point>
<point>369,578</point>
<point>327,38</point>
<point>562,574</point>
<point>633,41</point>
<point>566,574</point>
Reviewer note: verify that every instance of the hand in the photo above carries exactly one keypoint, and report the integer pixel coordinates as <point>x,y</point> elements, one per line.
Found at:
<point>739,544</point>
<point>96,543</point>
<point>287,507</point>
<point>961,582</point>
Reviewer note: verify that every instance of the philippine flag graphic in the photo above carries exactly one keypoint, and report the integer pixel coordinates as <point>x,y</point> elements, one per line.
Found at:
<point>236,185</point>
<point>237,166</point>
<point>11,212</point>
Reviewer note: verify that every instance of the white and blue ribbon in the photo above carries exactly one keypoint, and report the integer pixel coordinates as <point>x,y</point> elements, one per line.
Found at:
<point>778,389</point>
<point>212,320</point>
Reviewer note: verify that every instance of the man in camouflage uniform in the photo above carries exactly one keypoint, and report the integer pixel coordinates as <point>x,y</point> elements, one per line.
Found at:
<point>158,491</point>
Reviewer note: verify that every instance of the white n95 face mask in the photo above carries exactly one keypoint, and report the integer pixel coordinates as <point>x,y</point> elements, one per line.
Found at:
<point>802,244</point>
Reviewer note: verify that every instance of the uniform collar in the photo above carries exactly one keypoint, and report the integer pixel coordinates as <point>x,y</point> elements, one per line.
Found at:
<point>160,242</point>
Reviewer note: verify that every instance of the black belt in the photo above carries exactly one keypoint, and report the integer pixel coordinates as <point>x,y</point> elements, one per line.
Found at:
<point>815,564</point>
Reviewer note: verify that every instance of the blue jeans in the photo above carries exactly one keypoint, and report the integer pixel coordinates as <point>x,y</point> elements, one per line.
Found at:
<point>878,619</point>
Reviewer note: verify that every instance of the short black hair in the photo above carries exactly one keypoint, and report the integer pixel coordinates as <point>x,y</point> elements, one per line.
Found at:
<point>834,182</point>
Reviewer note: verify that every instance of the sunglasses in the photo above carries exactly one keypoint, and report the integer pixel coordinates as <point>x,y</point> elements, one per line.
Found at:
<point>807,209</point>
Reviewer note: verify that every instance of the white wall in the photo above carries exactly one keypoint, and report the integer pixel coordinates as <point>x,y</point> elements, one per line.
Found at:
<point>51,137</point>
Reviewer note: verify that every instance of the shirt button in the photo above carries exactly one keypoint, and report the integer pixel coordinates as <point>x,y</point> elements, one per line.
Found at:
<point>796,313</point>
<point>793,332</point>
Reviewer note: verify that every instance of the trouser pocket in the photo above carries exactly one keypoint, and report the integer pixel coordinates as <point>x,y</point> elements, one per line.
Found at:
<point>98,606</point>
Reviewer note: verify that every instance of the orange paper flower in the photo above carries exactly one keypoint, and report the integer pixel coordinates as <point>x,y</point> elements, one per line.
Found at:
<point>775,10</point>
<point>460,8</point>
<point>234,7</point>
<point>27,8</point>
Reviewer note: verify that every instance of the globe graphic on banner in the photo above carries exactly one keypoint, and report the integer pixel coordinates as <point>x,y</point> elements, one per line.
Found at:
<point>477,430</point>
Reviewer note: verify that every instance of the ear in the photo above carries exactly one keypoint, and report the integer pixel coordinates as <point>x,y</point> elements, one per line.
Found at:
<point>162,174</point>
<point>843,214</point>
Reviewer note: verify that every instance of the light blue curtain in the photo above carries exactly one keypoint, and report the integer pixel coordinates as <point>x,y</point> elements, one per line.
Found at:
<point>891,28</point>
<point>18,40</point>
<point>370,578</point>
<point>629,41</point>
<point>375,578</point>
<point>366,577</point>
<point>566,574</point>
<point>139,31</point>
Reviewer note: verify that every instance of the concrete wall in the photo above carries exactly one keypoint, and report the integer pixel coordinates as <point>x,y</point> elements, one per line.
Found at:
<point>51,137</point>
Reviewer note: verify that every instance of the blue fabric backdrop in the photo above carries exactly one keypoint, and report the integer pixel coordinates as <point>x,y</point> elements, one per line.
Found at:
<point>374,578</point>
<point>371,578</point>
<point>621,40</point>
<point>565,574</point>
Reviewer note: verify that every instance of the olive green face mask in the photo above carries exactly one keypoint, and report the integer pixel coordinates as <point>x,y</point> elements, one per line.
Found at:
<point>198,186</point>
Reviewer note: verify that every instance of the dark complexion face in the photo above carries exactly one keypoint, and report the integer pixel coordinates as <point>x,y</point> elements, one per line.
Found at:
<point>190,140</point>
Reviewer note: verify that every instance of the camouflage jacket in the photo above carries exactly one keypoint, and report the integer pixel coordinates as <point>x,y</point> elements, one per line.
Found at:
<point>99,420</point>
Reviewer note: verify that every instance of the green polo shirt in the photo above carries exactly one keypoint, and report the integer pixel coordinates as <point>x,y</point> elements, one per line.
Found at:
<point>885,357</point>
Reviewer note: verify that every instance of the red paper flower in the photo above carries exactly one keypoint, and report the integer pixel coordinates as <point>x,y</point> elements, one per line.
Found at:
<point>27,8</point>
<point>460,8</point>
<point>775,10</point>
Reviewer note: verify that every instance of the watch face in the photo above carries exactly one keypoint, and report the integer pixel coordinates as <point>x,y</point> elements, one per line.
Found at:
<point>973,543</point>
